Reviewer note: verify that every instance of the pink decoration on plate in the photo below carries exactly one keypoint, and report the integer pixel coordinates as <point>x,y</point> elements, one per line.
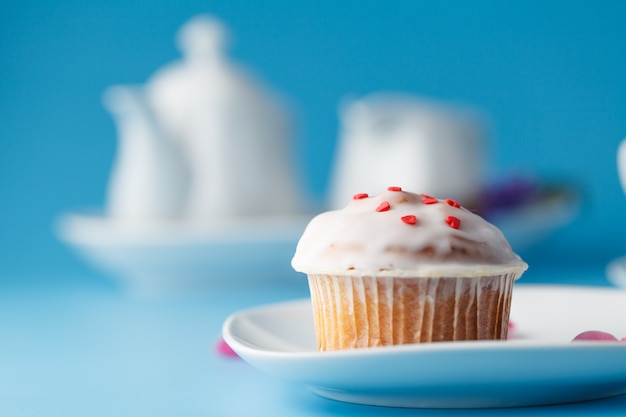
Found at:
<point>225,350</point>
<point>511,331</point>
<point>597,335</point>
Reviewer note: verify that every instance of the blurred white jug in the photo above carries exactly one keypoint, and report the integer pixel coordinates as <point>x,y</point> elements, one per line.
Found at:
<point>393,139</point>
<point>149,179</point>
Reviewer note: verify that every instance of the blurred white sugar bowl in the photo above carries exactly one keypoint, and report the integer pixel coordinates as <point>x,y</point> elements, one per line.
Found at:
<point>438,148</point>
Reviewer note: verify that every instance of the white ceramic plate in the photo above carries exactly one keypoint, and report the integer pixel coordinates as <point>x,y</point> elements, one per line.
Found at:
<point>179,255</point>
<point>539,366</point>
<point>532,223</point>
<point>183,255</point>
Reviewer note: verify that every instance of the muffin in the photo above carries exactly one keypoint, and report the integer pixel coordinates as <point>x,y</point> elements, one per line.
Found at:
<point>401,268</point>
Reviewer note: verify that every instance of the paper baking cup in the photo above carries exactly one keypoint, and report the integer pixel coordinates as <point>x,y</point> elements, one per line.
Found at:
<point>354,312</point>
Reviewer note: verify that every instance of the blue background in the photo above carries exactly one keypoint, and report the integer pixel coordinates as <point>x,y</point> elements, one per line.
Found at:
<point>552,76</point>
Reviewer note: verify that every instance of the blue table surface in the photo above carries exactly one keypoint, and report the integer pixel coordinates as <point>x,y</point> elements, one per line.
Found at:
<point>81,346</point>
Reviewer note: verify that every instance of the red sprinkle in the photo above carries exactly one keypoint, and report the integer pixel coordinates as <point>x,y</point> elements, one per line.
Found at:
<point>384,206</point>
<point>409,219</point>
<point>430,200</point>
<point>394,188</point>
<point>452,203</point>
<point>453,222</point>
<point>360,196</point>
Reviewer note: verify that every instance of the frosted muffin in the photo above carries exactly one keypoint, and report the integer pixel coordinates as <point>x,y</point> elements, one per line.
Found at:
<point>401,268</point>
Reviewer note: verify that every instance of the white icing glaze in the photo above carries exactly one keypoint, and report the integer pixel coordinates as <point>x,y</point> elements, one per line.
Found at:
<point>359,240</point>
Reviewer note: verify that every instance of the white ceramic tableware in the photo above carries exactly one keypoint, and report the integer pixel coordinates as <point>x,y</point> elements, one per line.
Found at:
<point>540,365</point>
